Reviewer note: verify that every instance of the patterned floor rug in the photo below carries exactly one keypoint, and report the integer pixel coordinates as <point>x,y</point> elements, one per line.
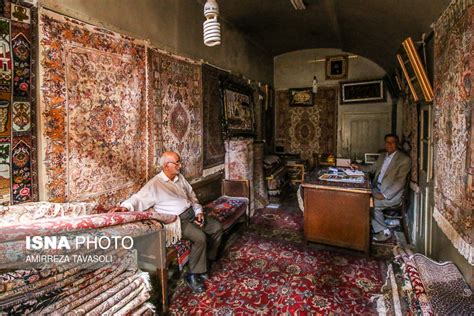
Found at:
<point>284,223</point>
<point>266,269</point>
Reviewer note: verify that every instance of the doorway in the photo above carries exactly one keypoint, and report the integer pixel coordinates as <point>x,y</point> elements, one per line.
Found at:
<point>423,228</point>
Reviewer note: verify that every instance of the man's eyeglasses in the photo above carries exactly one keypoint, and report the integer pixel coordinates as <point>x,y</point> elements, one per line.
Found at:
<point>177,163</point>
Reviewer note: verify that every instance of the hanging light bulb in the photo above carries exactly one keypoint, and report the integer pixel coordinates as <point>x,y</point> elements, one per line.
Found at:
<point>315,85</point>
<point>212,27</point>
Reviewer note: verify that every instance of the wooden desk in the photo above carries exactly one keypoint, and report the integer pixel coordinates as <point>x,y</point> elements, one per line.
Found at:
<point>336,213</point>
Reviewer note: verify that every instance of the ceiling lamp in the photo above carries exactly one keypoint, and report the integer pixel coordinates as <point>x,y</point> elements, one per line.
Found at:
<point>212,27</point>
<point>298,4</point>
<point>314,87</point>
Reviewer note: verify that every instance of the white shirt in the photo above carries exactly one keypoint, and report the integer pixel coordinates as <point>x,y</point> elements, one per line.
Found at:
<point>166,196</point>
<point>386,164</point>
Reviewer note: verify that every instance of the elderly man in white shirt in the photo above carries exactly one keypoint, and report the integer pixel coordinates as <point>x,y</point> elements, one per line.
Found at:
<point>391,171</point>
<point>169,193</point>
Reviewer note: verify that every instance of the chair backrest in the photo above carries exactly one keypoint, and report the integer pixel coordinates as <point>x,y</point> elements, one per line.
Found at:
<point>209,188</point>
<point>236,188</point>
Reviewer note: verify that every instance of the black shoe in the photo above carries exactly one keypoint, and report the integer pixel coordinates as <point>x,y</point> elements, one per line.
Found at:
<point>203,277</point>
<point>194,283</point>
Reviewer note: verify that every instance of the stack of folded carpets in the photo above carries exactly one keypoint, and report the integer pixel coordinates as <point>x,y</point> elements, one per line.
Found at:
<point>113,286</point>
<point>416,285</point>
<point>117,287</point>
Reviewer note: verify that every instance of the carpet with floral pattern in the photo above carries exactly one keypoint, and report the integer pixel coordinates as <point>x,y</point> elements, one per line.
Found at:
<point>266,269</point>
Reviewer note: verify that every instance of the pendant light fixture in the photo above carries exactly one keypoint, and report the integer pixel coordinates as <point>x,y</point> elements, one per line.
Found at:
<point>211,27</point>
<point>315,85</point>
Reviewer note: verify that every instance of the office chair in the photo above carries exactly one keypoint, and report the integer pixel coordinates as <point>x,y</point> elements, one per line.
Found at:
<point>399,212</point>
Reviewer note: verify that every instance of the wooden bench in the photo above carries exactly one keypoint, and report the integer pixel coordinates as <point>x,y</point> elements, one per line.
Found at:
<point>225,200</point>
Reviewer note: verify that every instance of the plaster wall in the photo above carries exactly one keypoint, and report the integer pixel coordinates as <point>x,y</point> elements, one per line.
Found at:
<point>175,26</point>
<point>296,70</point>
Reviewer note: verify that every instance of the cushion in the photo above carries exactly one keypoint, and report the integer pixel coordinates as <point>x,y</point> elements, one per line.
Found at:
<point>183,248</point>
<point>227,209</point>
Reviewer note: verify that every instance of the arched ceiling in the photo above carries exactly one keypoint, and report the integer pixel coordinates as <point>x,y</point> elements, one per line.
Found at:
<point>371,28</point>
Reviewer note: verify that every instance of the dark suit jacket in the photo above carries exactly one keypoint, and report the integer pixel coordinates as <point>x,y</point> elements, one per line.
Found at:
<point>394,179</point>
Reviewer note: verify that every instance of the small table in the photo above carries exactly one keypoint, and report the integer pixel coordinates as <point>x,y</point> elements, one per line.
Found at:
<point>337,213</point>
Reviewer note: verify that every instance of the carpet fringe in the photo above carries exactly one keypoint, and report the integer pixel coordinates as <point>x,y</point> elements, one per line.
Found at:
<point>464,248</point>
<point>173,232</point>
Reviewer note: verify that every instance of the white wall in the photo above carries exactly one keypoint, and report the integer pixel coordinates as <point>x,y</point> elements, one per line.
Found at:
<point>294,70</point>
<point>175,26</point>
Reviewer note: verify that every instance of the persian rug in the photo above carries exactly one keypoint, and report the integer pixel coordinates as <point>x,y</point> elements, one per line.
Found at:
<point>239,163</point>
<point>39,297</point>
<point>13,253</point>
<point>28,212</point>
<point>5,114</point>
<point>88,287</point>
<point>283,223</point>
<point>326,102</point>
<point>239,159</point>
<point>281,119</point>
<point>5,167</point>
<point>24,155</point>
<point>445,287</point>
<point>286,223</point>
<point>268,117</point>
<point>304,132</point>
<point>22,169</point>
<point>93,111</point>
<point>141,298</point>
<point>18,104</point>
<point>145,310</point>
<point>257,100</point>
<point>58,226</point>
<point>17,282</point>
<point>33,287</point>
<point>178,110</point>
<point>259,186</point>
<point>213,143</point>
<point>397,295</point>
<point>87,291</point>
<point>266,276</point>
<point>112,296</point>
<point>409,137</point>
<point>308,130</point>
<point>267,269</point>
<point>416,285</point>
<point>137,299</point>
<point>453,133</point>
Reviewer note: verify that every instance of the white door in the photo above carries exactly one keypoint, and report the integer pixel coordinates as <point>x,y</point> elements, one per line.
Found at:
<point>363,133</point>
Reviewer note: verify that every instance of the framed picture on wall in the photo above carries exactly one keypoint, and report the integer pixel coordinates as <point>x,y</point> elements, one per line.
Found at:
<point>362,92</point>
<point>336,67</point>
<point>238,110</point>
<point>300,97</point>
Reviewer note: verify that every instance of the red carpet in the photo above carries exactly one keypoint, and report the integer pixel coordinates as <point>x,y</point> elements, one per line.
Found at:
<point>258,274</point>
<point>285,223</point>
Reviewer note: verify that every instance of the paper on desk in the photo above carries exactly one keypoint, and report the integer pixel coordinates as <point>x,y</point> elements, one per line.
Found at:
<point>350,172</point>
<point>342,178</point>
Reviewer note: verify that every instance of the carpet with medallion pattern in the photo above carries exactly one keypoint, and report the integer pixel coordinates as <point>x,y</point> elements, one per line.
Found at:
<point>266,269</point>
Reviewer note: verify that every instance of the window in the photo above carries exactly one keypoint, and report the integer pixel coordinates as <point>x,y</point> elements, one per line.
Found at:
<point>426,151</point>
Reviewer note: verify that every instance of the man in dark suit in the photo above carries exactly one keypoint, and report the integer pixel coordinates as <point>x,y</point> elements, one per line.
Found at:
<point>390,175</point>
